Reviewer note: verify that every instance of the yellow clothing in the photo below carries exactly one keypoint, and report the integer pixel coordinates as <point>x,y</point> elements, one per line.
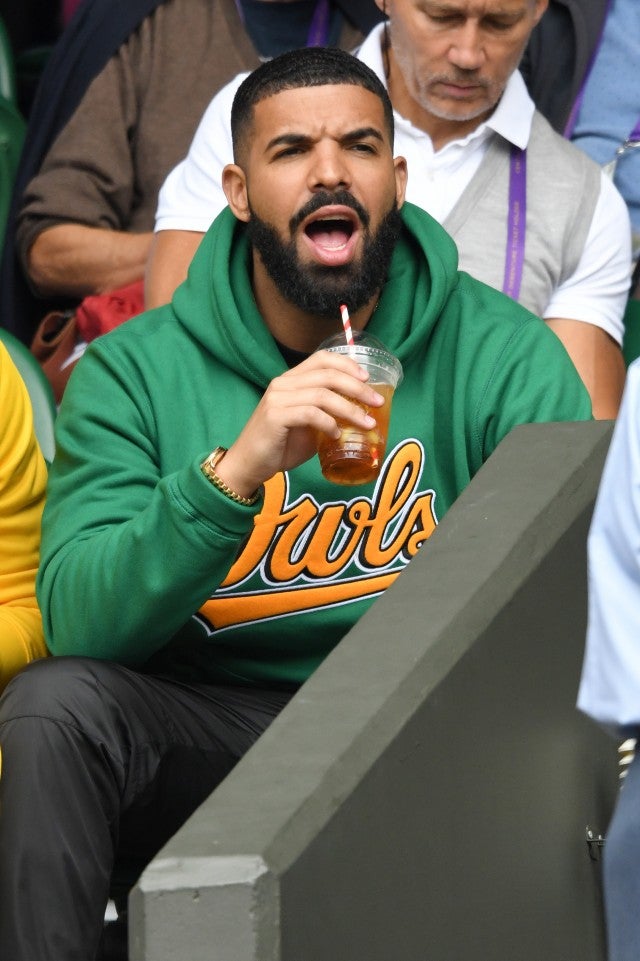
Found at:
<point>23,477</point>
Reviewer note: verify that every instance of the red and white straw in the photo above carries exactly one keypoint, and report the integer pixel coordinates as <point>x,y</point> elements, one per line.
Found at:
<point>346,323</point>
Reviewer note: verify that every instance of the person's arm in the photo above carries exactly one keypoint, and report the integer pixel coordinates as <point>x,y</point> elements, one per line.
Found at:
<point>131,549</point>
<point>170,254</point>
<point>610,679</point>
<point>81,228</point>
<point>23,476</point>
<point>74,260</point>
<point>599,361</point>
<point>586,311</point>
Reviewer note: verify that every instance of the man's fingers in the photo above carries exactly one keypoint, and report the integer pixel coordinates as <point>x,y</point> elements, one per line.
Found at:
<point>306,406</point>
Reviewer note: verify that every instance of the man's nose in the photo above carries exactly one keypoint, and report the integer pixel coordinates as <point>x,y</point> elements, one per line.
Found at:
<point>329,170</point>
<point>466,50</point>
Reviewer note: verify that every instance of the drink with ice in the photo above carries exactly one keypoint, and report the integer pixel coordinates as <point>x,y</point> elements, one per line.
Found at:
<point>357,455</point>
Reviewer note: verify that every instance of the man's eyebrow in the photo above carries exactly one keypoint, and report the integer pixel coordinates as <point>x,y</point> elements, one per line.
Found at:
<point>362,133</point>
<point>296,139</point>
<point>288,140</point>
<point>440,8</point>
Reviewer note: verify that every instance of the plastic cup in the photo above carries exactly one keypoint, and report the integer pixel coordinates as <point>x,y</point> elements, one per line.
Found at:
<point>356,456</point>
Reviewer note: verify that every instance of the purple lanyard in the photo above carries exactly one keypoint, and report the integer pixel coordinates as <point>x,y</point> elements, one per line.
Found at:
<point>634,136</point>
<point>516,223</point>
<point>319,29</point>
<point>318,35</point>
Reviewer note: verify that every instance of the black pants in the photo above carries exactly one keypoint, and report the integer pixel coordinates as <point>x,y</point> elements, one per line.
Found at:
<point>100,767</point>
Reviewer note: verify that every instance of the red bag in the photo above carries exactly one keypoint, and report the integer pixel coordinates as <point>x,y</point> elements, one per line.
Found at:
<point>62,336</point>
<point>100,313</point>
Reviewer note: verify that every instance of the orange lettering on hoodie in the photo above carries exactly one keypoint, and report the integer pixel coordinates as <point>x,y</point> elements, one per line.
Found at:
<point>303,543</point>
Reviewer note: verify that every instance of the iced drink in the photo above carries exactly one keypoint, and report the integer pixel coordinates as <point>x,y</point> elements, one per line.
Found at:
<point>357,455</point>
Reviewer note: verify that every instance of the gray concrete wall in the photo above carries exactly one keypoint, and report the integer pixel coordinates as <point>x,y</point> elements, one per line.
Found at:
<point>426,794</point>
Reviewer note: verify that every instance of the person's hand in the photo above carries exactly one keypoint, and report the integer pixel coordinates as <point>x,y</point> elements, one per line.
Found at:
<point>281,432</point>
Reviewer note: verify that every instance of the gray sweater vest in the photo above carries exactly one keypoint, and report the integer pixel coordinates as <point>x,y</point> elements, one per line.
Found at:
<point>563,186</point>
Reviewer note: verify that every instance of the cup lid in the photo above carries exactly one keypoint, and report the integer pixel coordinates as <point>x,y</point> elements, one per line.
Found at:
<point>364,344</point>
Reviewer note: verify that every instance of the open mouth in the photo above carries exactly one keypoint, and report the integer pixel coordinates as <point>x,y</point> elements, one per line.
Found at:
<point>332,235</point>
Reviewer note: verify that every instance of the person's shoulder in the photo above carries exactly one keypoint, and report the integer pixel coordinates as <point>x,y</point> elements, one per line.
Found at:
<point>153,332</point>
<point>493,308</point>
<point>545,140</point>
<point>497,324</point>
<point>155,320</point>
<point>13,390</point>
<point>559,171</point>
<point>505,329</point>
<point>575,173</point>
<point>219,108</point>
<point>8,370</point>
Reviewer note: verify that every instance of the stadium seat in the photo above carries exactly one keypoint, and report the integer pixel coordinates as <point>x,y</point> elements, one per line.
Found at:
<point>7,66</point>
<point>12,131</point>
<point>40,392</point>
<point>631,342</point>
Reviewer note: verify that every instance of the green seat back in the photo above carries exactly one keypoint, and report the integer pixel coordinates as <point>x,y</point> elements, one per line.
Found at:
<point>7,66</point>
<point>40,392</point>
<point>12,131</point>
<point>631,342</point>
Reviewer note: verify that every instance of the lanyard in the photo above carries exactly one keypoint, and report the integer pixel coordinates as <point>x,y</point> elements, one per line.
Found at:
<point>318,35</point>
<point>319,29</point>
<point>516,223</point>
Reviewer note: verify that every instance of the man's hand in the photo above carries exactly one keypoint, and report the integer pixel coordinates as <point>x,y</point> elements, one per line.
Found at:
<point>281,432</point>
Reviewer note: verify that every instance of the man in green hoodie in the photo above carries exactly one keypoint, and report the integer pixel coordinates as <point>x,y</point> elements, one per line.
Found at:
<point>196,565</point>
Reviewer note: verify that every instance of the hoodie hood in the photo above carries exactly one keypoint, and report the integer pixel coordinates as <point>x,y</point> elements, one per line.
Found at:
<point>216,302</point>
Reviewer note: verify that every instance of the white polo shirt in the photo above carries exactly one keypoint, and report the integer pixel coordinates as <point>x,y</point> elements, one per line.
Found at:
<point>596,293</point>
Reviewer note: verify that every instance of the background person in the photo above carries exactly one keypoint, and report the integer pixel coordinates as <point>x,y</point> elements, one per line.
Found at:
<point>610,683</point>
<point>466,126</point>
<point>23,478</point>
<point>116,109</point>
<point>559,55</point>
<point>609,110</point>
<point>579,68</point>
<point>194,590</point>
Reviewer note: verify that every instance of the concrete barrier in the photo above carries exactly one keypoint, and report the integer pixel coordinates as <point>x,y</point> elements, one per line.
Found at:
<point>427,793</point>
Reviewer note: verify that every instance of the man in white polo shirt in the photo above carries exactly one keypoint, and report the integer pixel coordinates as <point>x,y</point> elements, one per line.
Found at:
<point>530,213</point>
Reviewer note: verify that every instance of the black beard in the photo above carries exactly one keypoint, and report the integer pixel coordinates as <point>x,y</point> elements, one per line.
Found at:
<point>320,290</point>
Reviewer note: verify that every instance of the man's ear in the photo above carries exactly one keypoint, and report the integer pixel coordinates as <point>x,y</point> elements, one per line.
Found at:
<point>234,184</point>
<point>382,6</point>
<point>541,6</point>
<point>400,165</point>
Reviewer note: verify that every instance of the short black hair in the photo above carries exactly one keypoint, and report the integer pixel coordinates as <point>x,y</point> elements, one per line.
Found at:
<point>306,67</point>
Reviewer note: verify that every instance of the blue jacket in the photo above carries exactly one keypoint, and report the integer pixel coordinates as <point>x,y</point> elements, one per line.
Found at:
<point>559,54</point>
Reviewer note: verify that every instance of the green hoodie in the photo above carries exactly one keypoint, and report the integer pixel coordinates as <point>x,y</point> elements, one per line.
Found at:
<point>146,563</point>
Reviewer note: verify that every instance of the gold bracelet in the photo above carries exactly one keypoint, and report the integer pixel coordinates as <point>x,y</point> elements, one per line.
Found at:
<point>208,469</point>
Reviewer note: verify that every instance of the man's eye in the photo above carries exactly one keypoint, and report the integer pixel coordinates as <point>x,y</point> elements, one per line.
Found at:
<point>442,19</point>
<point>288,152</point>
<point>363,148</point>
<point>500,26</point>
